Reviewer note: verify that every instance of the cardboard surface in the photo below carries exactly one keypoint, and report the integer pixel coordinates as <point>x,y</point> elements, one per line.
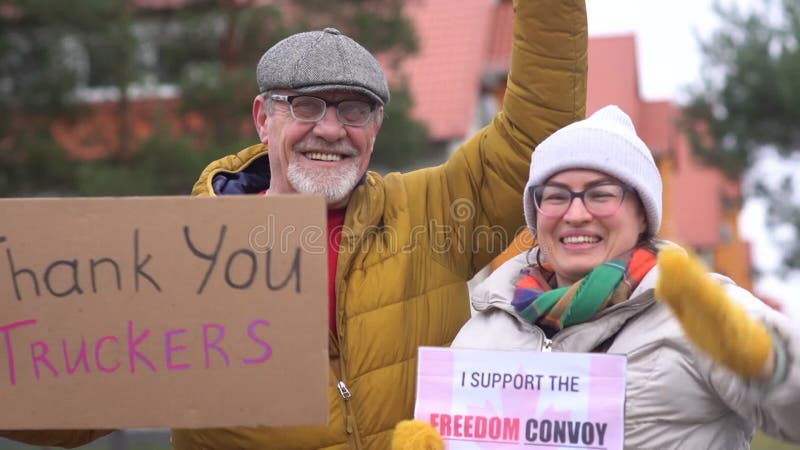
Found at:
<point>163,312</point>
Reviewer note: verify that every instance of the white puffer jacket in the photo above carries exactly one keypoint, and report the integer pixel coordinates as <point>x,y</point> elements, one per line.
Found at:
<point>676,397</point>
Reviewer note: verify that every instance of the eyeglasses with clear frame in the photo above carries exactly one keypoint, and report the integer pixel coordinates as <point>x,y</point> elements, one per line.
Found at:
<point>307,108</point>
<point>601,200</point>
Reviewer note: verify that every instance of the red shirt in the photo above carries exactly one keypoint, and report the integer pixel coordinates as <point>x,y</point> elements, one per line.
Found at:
<point>335,225</point>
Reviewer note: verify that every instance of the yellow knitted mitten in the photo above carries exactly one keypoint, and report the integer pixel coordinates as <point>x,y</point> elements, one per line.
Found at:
<point>717,325</point>
<point>416,435</point>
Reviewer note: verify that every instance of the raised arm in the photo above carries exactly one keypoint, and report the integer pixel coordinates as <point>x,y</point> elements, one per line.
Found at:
<point>546,90</point>
<point>547,81</point>
<point>772,404</point>
<point>753,351</point>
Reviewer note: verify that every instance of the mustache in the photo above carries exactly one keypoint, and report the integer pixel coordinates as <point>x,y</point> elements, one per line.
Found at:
<point>313,143</point>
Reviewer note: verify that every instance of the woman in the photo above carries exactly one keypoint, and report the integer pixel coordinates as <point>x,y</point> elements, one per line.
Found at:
<point>593,201</point>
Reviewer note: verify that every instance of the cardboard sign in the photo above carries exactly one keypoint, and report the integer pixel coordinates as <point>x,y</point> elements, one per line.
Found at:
<point>163,312</point>
<point>481,399</point>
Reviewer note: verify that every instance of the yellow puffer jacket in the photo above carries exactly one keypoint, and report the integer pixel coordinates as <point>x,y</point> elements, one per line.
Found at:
<point>411,241</point>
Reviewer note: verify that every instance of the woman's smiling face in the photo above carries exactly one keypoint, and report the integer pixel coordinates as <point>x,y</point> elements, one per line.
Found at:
<point>577,242</point>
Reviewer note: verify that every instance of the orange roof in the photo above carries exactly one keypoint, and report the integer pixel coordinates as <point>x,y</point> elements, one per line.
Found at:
<point>696,197</point>
<point>97,132</point>
<point>499,49</point>
<point>656,126</point>
<point>444,76</point>
<point>613,75</point>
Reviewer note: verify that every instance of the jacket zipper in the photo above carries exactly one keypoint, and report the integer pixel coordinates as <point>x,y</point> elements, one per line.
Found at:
<point>350,422</point>
<point>547,343</point>
<point>349,419</point>
<point>345,393</point>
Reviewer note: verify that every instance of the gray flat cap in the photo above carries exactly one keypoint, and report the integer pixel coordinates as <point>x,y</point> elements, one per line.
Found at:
<point>317,61</point>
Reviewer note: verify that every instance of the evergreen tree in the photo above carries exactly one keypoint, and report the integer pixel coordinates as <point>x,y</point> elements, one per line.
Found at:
<point>41,56</point>
<point>748,102</point>
<point>208,49</point>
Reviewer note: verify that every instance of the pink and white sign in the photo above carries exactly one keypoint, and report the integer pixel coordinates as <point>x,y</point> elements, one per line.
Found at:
<point>501,399</point>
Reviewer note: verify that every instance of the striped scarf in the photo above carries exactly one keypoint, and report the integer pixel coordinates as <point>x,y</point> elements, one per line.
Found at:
<point>555,309</point>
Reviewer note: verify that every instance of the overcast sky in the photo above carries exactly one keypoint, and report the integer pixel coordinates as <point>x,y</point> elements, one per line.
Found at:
<point>669,60</point>
<point>667,47</point>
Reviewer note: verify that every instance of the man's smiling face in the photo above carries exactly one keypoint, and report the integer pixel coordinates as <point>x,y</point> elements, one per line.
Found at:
<point>324,157</point>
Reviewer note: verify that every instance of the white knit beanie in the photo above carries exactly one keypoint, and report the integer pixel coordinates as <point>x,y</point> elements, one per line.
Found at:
<point>607,142</point>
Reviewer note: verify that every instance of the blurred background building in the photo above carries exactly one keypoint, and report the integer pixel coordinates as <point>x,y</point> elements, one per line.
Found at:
<point>181,99</point>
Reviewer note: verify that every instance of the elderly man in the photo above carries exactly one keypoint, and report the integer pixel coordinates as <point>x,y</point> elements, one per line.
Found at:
<point>401,246</point>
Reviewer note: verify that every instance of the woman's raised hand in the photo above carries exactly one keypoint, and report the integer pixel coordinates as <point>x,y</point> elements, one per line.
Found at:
<point>714,322</point>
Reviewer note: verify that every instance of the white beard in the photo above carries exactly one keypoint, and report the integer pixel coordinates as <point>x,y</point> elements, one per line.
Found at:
<point>334,184</point>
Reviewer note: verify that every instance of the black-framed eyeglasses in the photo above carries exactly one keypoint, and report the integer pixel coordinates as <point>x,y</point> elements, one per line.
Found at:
<point>601,200</point>
<point>307,108</point>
